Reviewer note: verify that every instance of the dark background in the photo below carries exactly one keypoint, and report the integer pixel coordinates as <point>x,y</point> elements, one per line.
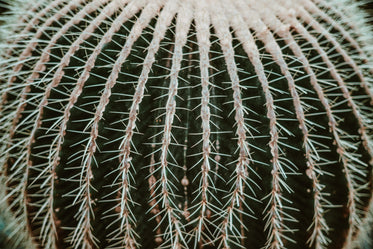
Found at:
<point>2,6</point>
<point>369,8</point>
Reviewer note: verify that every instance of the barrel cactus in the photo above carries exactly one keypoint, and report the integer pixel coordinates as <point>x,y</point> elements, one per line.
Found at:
<point>186,124</point>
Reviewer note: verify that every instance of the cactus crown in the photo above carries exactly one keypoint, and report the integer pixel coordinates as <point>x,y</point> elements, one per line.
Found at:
<point>187,124</point>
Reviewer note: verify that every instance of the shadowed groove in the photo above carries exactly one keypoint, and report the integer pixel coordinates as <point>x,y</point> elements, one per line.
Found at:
<point>248,43</point>
<point>345,13</point>
<point>258,183</point>
<point>50,211</point>
<point>224,156</point>
<point>125,214</point>
<point>123,207</point>
<point>88,32</point>
<point>173,213</point>
<point>31,9</point>
<point>90,148</point>
<point>158,88</point>
<point>27,52</point>
<point>364,82</point>
<point>320,228</point>
<point>121,224</point>
<point>24,100</point>
<point>315,10</point>
<point>366,142</point>
<point>354,197</point>
<point>19,142</point>
<point>352,80</point>
<point>236,197</point>
<point>45,56</point>
<point>173,234</point>
<point>274,50</point>
<point>34,21</point>
<point>340,81</point>
<point>109,11</point>
<point>275,240</point>
<point>319,224</point>
<point>339,10</point>
<point>340,140</point>
<point>321,30</point>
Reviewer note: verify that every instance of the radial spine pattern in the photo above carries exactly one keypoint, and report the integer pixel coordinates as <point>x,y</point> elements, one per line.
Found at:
<point>186,124</point>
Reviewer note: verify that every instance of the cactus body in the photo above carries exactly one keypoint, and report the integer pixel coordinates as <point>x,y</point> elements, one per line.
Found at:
<point>187,124</point>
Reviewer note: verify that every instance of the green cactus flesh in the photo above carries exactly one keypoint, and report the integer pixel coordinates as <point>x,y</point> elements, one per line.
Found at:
<point>186,124</point>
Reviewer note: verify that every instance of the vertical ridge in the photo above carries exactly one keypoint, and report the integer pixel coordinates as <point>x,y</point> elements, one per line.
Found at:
<point>123,208</point>
<point>164,20</point>
<point>317,27</point>
<point>86,211</point>
<point>314,9</point>
<point>347,159</point>
<point>50,222</point>
<point>27,52</point>
<point>202,20</point>
<point>30,24</point>
<point>320,228</point>
<point>236,196</point>
<point>124,215</point>
<point>167,197</point>
<point>273,225</point>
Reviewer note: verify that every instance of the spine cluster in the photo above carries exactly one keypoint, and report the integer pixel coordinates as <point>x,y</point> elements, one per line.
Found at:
<point>186,124</point>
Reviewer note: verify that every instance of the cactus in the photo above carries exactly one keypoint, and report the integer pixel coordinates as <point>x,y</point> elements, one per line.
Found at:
<point>186,124</point>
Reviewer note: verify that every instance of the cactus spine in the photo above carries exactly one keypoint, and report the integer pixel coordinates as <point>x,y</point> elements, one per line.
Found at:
<point>186,124</point>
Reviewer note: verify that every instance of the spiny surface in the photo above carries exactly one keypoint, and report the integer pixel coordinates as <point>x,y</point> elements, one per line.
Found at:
<point>187,124</point>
